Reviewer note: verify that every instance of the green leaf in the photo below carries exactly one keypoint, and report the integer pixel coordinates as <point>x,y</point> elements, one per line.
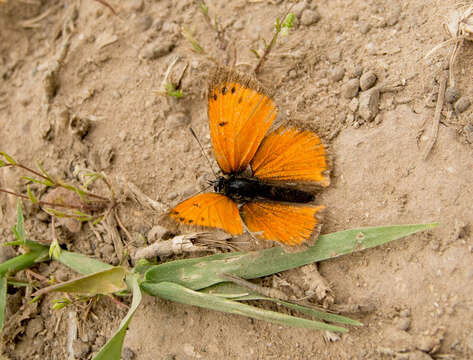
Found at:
<point>19,229</point>
<point>38,164</point>
<point>54,250</point>
<point>2,163</point>
<point>81,263</point>
<point>202,272</point>
<point>24,261</point>
<point>181,294</point>
<point>3,299</point>
<point>31,195</point>
<point>289,22</point>
<point>255,53</point>
<point>239,293</point>
<point>8,158</point>
<point>103,282</point>
<point>113,348</point>
<point>42,182</point>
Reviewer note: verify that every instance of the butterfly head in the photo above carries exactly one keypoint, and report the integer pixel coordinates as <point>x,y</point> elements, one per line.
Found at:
<point>219,184</point>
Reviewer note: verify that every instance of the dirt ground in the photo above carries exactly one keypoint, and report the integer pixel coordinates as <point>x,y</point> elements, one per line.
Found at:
<point>101,107</point>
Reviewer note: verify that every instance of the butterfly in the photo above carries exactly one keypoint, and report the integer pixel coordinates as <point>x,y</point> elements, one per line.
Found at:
<point>263,170</point>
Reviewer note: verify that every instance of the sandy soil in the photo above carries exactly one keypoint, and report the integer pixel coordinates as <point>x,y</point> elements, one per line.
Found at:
<point>104,111</point>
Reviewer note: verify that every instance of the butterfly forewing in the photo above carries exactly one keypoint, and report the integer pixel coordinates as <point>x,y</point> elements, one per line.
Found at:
<point>239,117</point>
<point>209,210</point>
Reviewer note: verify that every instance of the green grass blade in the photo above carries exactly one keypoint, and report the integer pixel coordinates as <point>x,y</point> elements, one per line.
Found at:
<point>19,228</point>
<point>81,263</point>
<point>183,295</point>
<point>239,293</point>
<point>24,261</point>
<point>3,299</point>
<point>103,282</point>
<point>113,348</point>
<point>200,273</point>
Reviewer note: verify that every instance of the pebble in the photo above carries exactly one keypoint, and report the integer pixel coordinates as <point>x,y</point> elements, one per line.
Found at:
<point>177,119</point>
<point>452,94</point>
<point>356,71</point>
<point>143,23</point>
<point>34,327</point>
<point>403,323</point>
<point>468,131</point>
<point>426,343</point>
<point>156,233</point>
<point>419,355</point>
<point>108,251</point>
<point>79,126</point>
<point>369,101</point>
<point>337,73</point>
<point>364,27</point>
<point>128,354</point>
<point>6,253</point>
<point>393,17</point>
<point>350,88</point>
<point>367,80</point>
<point>156,50</point>
<point>334,56</point>
<point>81,349</point>
<point>462,104</point>
<point>353,105</point>
<point>309,17</point>
<point>299,8</point>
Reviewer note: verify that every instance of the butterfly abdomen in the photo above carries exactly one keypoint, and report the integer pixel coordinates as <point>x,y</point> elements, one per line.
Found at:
<point>248,189</point>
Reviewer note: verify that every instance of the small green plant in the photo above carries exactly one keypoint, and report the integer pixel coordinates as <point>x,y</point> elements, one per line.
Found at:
<point>66,200</point>
<point>279,29</point>
<point>205,282</point>
<point>172,91</point>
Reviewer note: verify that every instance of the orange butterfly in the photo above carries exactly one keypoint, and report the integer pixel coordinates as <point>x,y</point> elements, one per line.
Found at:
<point>241,112</point>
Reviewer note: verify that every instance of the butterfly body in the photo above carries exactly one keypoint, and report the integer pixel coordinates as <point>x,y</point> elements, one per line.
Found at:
<point>241,114</point>
<point>242,189</point>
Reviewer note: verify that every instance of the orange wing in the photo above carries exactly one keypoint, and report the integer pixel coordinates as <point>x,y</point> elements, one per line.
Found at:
<point>240,114</point>
<point>291,154</point>
<point>209,210</point>
<point>288,224</point>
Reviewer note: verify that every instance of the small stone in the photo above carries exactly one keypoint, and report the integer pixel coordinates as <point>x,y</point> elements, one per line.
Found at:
<point>452,94</point>
<point>426,343</point>
<point>353,105</point>
<point>156,50</point>
<point>405,313</point>
<point>6,253</point>
<point>100,341</point>
<point>177,119</point>
<point>309,17</point>
<point>298,8</point>
<point>367,80</point>
<point>393,17</point>
<point>468,132</point>
<point>108,251</point>
<point>369,101</point>
<point>34,327</point>
<point>334,56</point>
<point>79,126</point>
<point>337,73</point>
<point>350,88</point>
<point>462,104</point>
<point>364,27</point>
<point>81,349</point>
<point>143,23</point>
<point>128,354</point>
<point>356,71</point>
<point>378,119</point>
<point>239,24</point>
<point>156,233</point>
<point>403,323</point>
<point>419,355</point>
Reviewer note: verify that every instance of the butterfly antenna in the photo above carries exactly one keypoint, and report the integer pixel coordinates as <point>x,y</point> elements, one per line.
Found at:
<point>202,149</point>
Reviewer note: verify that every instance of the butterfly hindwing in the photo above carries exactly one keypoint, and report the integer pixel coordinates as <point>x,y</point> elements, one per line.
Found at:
<point>209,210</point>
<point>292,155</point>
<point>240,114</point>
<point>288,224</point>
